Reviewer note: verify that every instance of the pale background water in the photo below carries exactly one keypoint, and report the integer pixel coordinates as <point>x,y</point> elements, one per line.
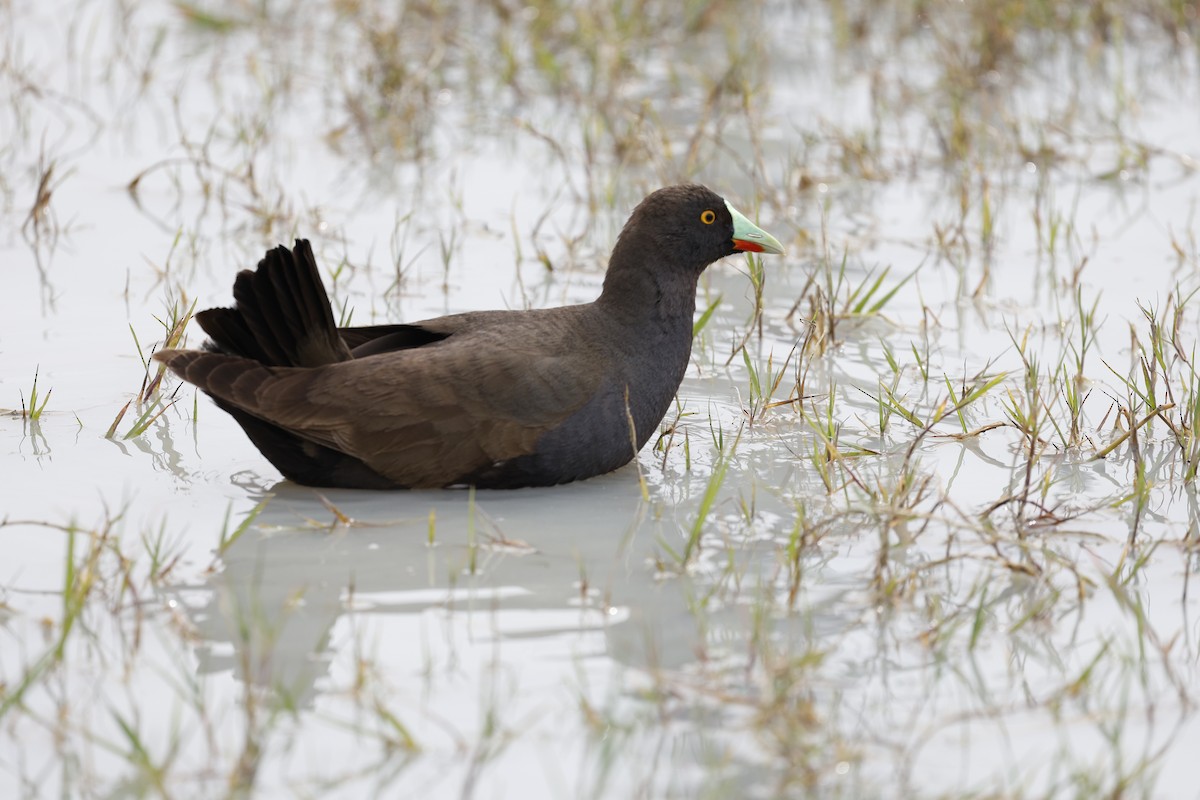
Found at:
<point>548,644</point>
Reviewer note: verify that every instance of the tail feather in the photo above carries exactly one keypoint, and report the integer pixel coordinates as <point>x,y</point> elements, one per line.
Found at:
<point>229,334</point>
<point>282,317</point>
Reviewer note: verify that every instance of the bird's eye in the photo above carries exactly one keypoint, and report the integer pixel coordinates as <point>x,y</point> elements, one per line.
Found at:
<point>708,217</point>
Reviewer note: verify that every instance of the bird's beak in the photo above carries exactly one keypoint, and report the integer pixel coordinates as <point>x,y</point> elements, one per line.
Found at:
<point>748,236</point>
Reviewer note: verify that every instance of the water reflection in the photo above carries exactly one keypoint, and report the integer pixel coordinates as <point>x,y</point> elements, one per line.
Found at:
<point>583,551</point>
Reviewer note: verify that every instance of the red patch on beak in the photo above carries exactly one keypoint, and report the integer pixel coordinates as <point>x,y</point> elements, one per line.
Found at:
<point>742,244</point>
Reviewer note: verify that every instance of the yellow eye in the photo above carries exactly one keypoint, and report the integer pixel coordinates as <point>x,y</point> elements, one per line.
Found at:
<point>708,217</point>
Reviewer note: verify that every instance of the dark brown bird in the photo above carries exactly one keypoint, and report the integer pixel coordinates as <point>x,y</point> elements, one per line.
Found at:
<point>494,399</point>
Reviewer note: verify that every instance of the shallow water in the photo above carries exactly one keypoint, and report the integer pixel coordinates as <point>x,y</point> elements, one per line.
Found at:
<point>924,615</point>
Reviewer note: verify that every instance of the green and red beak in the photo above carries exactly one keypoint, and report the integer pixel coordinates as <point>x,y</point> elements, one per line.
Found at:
<point>748,236</point>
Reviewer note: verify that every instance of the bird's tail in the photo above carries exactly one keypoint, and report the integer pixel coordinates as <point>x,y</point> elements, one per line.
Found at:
<point>282,316</point>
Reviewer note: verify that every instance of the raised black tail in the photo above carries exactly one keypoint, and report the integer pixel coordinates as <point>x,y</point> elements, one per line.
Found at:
<point>282,317</point>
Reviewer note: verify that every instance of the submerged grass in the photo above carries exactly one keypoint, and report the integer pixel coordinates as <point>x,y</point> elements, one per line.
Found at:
<point>37,403</point>
<point>149,401</point>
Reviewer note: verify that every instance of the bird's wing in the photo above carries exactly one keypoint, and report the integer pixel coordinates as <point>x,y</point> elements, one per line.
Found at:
<point>435,419</point>
<point>421,417</point>
<point>375,339</point>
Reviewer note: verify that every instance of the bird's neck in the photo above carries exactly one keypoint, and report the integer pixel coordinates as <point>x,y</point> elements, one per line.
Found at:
<point>655,301</point>
<point>661,298</point>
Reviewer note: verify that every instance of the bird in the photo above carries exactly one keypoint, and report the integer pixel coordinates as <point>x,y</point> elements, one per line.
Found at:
<point>492,399</point>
